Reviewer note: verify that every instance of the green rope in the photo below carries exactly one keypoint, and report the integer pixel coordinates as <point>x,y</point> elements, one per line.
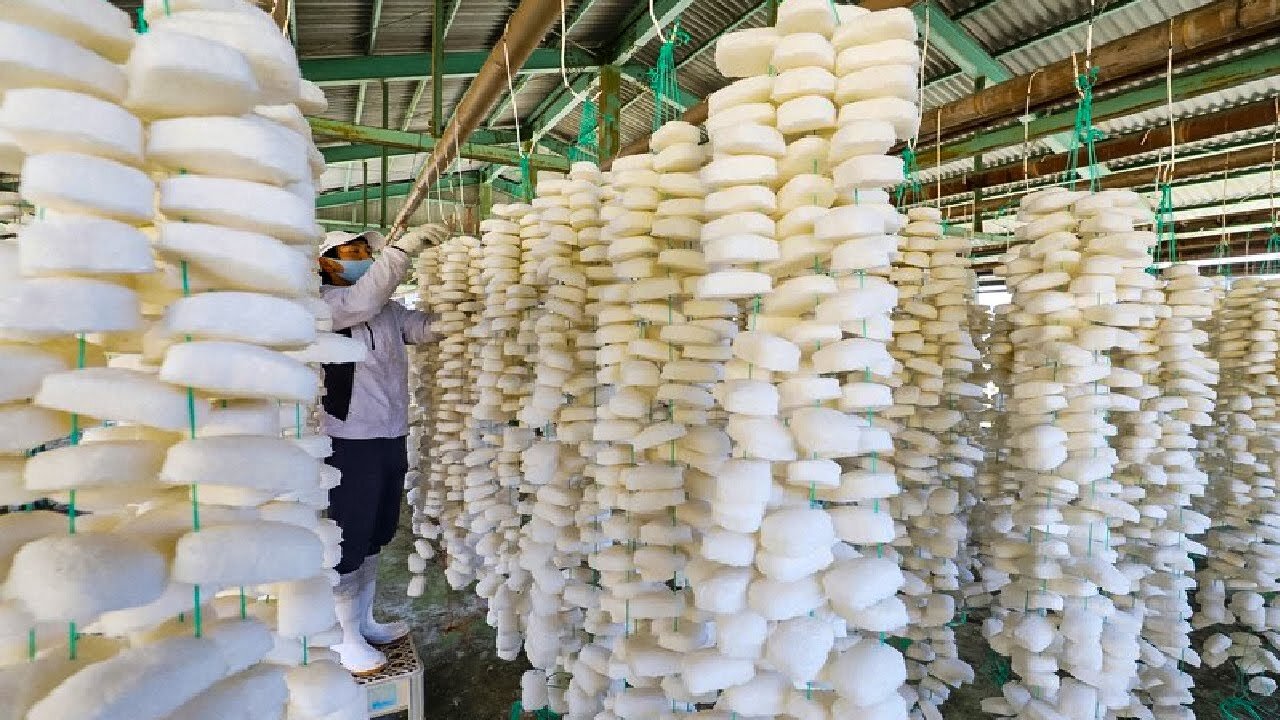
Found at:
<point>1166,239</point>
<point>662,79</point>
<point>526,178</point>
<point>1084,134</point>
<point>997,668</point>
<point>587,144</point>
<point>911,178</point>
<point>1272,266</point>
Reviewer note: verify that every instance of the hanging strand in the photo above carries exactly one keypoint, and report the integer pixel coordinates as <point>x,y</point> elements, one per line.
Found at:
<point>662,78</point>
<point>1026,133</point>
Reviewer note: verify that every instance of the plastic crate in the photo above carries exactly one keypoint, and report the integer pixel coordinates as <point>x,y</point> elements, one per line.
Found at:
<point>398,688</point>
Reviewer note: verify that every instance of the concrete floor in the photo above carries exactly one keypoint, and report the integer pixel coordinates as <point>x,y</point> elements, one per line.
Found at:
<point>463,678</point>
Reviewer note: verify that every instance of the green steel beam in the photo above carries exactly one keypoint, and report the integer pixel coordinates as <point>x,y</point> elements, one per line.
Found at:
<point>509,187</point>
<point>365,151</point>
<point>559,147</point>
<point>414,66</point>
<point>339,198</point>
<point>421,142</point>
<point>958,45</point>
<point>437,67</point>
<point>1212,79</point>
<point>412,109</point>
<point>638,32</point>
<point>638,76</point>
<point>557,106</point>
<point>504,103</point>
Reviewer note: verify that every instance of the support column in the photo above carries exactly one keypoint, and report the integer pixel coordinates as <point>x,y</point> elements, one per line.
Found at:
<point>979,83</point>
<point>610,109</point>
<point>437,68</point>
<point>485,203</point>
<point>385,167</point>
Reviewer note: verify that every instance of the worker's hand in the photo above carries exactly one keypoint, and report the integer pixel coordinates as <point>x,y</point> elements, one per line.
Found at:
<point>435,234</point>
<point>415,240</point>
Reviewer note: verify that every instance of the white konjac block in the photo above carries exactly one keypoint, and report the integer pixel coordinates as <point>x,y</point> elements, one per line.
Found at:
<point>120,394</point>
<point>52,306</point>
<point>76,578</point>
<point>264,463</point>
<point>77,183</point>
<point>227,554</point>
<point>242,317</point>
<point>173,73</point>
<point>33,57</point>
<point>83,245</point>
<point>744,53</point>
<point>244,148</point>
<point>241,260</point>
<point>95,464</point>
<point>43,120</point>
<point>238,370</point>
<point>147,681</point>
<point>239,205</point>
<point>304,607</point>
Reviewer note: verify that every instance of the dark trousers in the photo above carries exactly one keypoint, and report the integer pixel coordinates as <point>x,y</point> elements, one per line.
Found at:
<point>366,504</point>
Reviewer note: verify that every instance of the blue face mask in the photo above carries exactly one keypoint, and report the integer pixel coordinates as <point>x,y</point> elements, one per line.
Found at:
<point>353,270</point>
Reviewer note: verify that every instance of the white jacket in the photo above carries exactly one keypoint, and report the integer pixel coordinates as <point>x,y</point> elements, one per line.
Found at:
<point>377,402</point>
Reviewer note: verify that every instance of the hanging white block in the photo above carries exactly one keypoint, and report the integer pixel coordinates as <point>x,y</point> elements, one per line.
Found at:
<point>244,148</point>
<point>241,317</point>
<point>43,120</point>
<point>147,681</point>
<point>269,52</point>
<point>36,58</point>
<point>83,184</point>
<point>238,370</point>
<point>81,244</point>
<point>264,463</point>
<point>239,205</point>
<point>76,578</point>
<point>225,555</point>
<point>744,53</point>
<point>239,259</point>
<point>122,395</point>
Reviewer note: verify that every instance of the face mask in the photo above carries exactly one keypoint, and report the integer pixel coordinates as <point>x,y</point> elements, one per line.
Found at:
<point>352,270</point>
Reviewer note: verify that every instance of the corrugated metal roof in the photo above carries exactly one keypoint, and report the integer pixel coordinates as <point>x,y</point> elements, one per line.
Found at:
<point>1022,34</point>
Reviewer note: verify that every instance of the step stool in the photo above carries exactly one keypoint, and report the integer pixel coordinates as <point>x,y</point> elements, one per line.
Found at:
<point>398,687</point>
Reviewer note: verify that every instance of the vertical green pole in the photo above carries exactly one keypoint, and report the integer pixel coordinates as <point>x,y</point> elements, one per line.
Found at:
<point>364,195</point>
<point>437,68</point>
<point>485,202</point>
<point>978,84</point>
<point>773,13</point>
<point>384,170</point>
<point>610,108</point>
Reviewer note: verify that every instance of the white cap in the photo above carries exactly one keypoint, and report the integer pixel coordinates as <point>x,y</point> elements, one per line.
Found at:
<point>334,238</point>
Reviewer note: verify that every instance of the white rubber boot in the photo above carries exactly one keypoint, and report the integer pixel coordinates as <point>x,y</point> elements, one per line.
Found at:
<point>374,631</point>
<point>355,653</point>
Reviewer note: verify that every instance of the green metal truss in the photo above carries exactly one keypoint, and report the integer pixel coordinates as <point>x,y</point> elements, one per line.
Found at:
<point>640,30</point>
<point>415,66</point>
<point>1218,77</point>
<point>421,142</point>
<point>356,195</point>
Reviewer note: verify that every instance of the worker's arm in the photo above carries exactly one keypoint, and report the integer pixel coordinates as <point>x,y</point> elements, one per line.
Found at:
<point>360,301</point>
<point>415,326</point>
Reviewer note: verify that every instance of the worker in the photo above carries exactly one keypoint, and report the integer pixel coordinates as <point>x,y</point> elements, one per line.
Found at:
<point>366,412</point>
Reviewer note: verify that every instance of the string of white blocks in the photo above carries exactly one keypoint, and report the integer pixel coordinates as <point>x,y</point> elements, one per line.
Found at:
<point>152,606</point>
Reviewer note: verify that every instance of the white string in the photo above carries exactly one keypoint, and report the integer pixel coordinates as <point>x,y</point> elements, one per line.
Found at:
<point>1026,133</point>
<point>511,92</point>
<point>653,16</point>
<point>564,39</point>
<point>924,58</point>
<point>1168,94</point>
